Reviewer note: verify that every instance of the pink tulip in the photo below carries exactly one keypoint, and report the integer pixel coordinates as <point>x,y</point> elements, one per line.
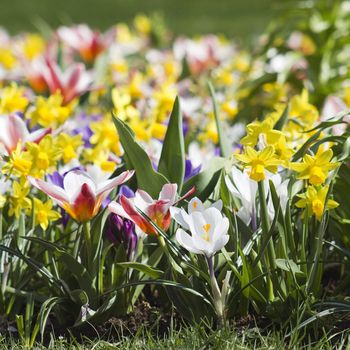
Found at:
<point>88,43</point>
<point>80,196</point>
<point>157,210</point>
<point>13,130</point>
<point>72,83</point>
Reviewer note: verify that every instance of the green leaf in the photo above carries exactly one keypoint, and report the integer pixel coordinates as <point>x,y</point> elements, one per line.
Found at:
<point>280,123</point>
<point>146,269</point>
<point>206,180</point>
<point>288,265</point>
<point>172,158</point>
<point>224,143</point>
<point>137,158</point>
<point>75,267</point>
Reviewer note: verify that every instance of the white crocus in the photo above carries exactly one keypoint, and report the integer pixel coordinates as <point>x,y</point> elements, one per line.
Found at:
<point>282,192</point>
<point>195,204</point>
<point>4,186</point>
<point>208,232</point>
<point>244,188</point>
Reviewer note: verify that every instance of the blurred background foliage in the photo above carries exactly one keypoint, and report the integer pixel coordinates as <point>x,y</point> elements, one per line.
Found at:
<point>237,18</point>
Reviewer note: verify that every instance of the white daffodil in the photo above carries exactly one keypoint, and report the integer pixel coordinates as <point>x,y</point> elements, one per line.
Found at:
<point>195,204</point>
<point>243,188</point>
<point>208,232</point>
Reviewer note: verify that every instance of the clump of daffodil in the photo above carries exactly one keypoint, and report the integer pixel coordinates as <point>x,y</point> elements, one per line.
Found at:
<point>164,98</point>
<point>315,168</point>
<point>19,200</point>
<point>44,156</point>
<point>259,161</point>
<point>32,46</point>
<point>229,108</point>
<point>99,156</point>
<point>7,58</point>
<point>274,93</point>
<point>69,146</point>
<point>303,116</point>
<point>210,132</point>
<point>314,200</point>
<point>263,131</point>
<point>122,102</point>
<point>19,162</point>
<point>12,99</point>
<point>143,24</point>
<point>43,213</point>
<point>50,112</point>
<point>105,135</point>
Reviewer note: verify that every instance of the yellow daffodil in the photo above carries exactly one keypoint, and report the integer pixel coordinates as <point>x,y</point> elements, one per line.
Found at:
<point>50,112</point>
<point>264,130</point>
<point>43,213</point>
<point>259,161</point>
<point>143,24</point>
<point>101,157</point>
<point>32,46</point>
<point>18,199</point>
<point>44,156</point>
<point>19,163</point>
<point>315,168</point>
<point>7,59</point>
<point>105,135</point>
<point>69,146</point>
<point>314,199</point>
<point>12,99</point>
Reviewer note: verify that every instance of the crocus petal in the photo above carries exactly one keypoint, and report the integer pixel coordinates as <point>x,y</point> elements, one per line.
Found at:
<point>195,204</point>
<point>55,192</point>
<point>220,243</point>
<point>186,241</point>
<point>180,216</point>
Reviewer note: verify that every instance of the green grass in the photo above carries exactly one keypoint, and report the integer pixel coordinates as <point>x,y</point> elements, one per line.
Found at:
<point>233,17</point>
<point>198,338</point>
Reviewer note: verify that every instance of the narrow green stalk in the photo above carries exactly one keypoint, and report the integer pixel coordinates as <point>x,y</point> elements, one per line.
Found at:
<point>304,236</point>
<point>218,305</point>
<point>87,242</point>
<point>270,256</point>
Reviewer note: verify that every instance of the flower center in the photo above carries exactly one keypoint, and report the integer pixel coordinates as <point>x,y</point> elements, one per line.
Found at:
<point>258,171</point>
<point>317,176</point>
<point>317,207</point>
<point>206,229</point>
<point>43,161</point>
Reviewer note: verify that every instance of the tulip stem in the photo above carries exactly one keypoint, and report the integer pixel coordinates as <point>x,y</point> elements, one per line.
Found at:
<point>87,239</point>
<point>218,304</point>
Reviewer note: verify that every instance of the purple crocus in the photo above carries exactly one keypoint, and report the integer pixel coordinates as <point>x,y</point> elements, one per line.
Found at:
<point>122,231</point>
<point>190,170</point>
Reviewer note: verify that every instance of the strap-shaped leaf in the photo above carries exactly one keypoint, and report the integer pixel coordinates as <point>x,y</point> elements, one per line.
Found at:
<point>206,180</point>
<point>137,158</point>
<point>172,158</point>
<point>224,142</point>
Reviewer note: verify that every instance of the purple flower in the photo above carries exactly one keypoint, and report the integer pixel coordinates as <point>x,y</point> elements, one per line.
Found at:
<point>191,171</point>
<point>122,231</point>
<point>126,191</point>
